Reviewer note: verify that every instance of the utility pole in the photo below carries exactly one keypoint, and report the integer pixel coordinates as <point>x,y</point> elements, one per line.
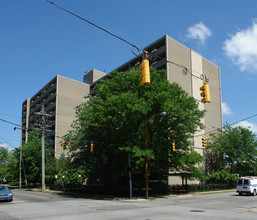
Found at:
<point>43,126</point>
<point>20,155</point>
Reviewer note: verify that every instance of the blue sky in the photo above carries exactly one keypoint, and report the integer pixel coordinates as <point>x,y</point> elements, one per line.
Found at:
<point>39,41</point>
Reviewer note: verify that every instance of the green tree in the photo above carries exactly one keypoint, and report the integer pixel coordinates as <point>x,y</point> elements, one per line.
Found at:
<point>114,119</point>
<point>12,166</point>
<point>4,157</point>
<point>67,174</point>
<point>234,148</point>
<point>32,158</point>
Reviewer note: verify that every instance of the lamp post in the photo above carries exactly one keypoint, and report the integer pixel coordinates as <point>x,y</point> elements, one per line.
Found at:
<point>146,160</point>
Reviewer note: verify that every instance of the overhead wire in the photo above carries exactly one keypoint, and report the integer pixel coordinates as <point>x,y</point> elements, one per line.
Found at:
<point>223,126</point>
<point>122,39</point>
<point>7,141</point>
<point>108,32</point>
<point>10,122</point>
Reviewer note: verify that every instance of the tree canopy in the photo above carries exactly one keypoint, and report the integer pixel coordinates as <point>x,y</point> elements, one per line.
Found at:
<point>114,118</point>
<point>234,148</point>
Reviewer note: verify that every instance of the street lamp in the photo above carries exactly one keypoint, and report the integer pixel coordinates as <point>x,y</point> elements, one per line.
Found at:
<point>146,161</point>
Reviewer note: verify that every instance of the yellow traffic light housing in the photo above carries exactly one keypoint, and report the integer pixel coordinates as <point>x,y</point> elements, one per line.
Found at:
<point>92,147</point>
<point>173,146</point>
<point>63,144</point>
<point>205,91</point>
<point>144,67</point>
<point>204,143</point>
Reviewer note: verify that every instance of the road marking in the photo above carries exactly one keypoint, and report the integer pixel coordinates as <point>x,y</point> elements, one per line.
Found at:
<point>210,203</point>
<point>27,194</point>
<point>18,201</point>
<point>185,196</point>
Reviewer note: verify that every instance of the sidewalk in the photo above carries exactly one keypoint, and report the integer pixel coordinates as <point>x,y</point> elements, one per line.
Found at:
<point>189,194</point>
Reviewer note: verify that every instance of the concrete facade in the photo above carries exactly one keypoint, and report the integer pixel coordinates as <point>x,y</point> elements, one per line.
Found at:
<point>60,97</point>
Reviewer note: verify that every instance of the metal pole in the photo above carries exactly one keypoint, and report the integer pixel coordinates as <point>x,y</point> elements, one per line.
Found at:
<point>130,178</point>
<point>43,153</point>
<point>146,161</point>
<point>20,166</point>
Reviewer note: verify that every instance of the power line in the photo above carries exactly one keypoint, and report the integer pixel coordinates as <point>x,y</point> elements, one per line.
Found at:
<point>10,122</point>
<point>229,124</point>
<point>108,32</point>
<point>7,141</point>
<point>122,39</point>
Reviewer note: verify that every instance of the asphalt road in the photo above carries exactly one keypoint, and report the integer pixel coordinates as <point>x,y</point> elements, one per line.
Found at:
<point>36,205</point>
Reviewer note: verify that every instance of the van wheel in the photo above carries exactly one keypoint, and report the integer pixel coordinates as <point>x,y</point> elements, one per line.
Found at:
<point>254,192</point>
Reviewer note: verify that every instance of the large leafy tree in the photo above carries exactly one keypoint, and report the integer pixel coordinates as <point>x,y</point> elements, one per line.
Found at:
<point>32,158</point>
<point>114,118</point>
<point>12,166</point>
<point>234,148</point>
<point>4,155</point>
<point>4,158</point>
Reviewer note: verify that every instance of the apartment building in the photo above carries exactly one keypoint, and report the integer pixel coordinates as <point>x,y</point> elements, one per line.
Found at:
<point>184,66</point>
<point>59,97</point>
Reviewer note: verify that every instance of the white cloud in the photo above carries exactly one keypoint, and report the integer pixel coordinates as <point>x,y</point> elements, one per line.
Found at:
<point>226,109</point>
<point>248,125</point>
<point>199,32</point>
<point>241,48</point>
<point>6,146</point>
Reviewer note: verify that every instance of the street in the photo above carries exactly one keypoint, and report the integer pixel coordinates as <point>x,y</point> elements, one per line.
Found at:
<point>48,206</point>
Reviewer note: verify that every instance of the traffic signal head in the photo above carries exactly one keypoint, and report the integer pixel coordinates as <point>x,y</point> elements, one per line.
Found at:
<point>63,144</point>
<point>205,93</point>
<point>204,143</point>
<point>145,74</point>
<point>92,147</point>
<point>173,146</point>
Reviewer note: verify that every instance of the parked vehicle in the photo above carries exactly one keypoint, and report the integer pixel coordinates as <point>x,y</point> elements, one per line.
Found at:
<point>247,185</point>
<point>5,193</point>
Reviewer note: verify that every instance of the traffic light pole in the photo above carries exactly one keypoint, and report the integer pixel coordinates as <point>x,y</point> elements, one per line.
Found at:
<point>146,161</point>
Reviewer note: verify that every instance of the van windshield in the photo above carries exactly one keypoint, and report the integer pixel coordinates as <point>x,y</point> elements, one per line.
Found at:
<point>240,182</point>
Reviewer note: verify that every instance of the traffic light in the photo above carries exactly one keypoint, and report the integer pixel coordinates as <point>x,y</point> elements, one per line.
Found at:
<point>144,67</point>
<point>63,144</point>
<point>204,143</point>
<point>92,147</point>
<point>205,93</point>
<point>145,74</point>
<point>173,145</point>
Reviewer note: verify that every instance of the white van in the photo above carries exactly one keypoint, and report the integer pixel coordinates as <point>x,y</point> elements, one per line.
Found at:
<point>247,185</point>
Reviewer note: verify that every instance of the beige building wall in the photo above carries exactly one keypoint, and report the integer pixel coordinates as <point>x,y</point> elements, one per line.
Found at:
<point>178,54</point>
<point>191,81</point>
<point>93,76</point>
<point>69,94</point>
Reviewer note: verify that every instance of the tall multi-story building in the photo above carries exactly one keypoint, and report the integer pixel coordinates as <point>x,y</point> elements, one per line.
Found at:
<point>59,97</point>
<point>183,66</point>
